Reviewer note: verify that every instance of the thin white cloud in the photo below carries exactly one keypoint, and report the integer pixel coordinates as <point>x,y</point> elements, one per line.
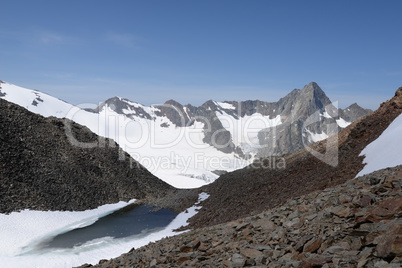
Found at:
<point>38,36</point>
<point>124,39</point>
<point>48,38</point>
<point>58,75</point>
<point>394,73</point>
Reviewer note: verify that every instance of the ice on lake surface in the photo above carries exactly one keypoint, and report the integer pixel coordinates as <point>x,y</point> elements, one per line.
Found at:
<point>27,235</point>
<point>126,222</point>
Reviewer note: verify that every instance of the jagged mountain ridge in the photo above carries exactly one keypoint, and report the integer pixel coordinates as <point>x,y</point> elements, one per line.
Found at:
<point>294,108</point>
<point>174,136</point>
<point>290,111</point>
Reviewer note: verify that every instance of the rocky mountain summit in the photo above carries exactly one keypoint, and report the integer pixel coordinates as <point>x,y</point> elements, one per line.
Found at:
<point>308,116</point>
<point>353,112</point>
<point>41,169</point>
<point>355,224</point>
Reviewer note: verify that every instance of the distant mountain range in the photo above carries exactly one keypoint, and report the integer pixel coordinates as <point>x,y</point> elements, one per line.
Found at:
<point>189,146</point>
<point>243,128</point>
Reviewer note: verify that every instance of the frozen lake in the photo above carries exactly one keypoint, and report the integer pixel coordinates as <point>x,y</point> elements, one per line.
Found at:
<point>126,222</point>
<point>46,239</point>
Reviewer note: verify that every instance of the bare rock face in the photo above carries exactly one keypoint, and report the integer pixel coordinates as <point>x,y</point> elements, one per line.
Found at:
<point>2,94</point>
<point>398,97</point>
<point>282,139</point>
<point>398,93</point>
<point>215,134</point>
<point>175,112</point>
<point>41,169</point>
<point>354,112</point>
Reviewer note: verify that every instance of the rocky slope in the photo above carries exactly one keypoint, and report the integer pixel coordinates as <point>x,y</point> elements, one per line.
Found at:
<point>267,184</point>
<point>40,169</point>
<point>355,224</point>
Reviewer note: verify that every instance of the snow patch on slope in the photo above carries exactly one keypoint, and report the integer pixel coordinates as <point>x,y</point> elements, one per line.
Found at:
<point>225,105</point>
<point>35,101</point>
<point>385,151</point>
<point>342,123</point>
<point>244,130</point>
<point>315,137</point>
<point>326,115</point>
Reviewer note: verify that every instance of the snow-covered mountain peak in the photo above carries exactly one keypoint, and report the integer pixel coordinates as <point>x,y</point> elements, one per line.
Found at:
<point>129,108</point>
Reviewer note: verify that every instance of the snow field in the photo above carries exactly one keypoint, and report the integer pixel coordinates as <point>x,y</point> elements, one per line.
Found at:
<point>385,151</point>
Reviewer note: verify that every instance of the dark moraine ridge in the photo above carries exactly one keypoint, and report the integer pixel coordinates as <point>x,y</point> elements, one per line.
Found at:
<point>40,169</point>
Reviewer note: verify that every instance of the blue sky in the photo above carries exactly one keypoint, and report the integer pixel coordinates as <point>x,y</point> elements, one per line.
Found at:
<point>193,51</point>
